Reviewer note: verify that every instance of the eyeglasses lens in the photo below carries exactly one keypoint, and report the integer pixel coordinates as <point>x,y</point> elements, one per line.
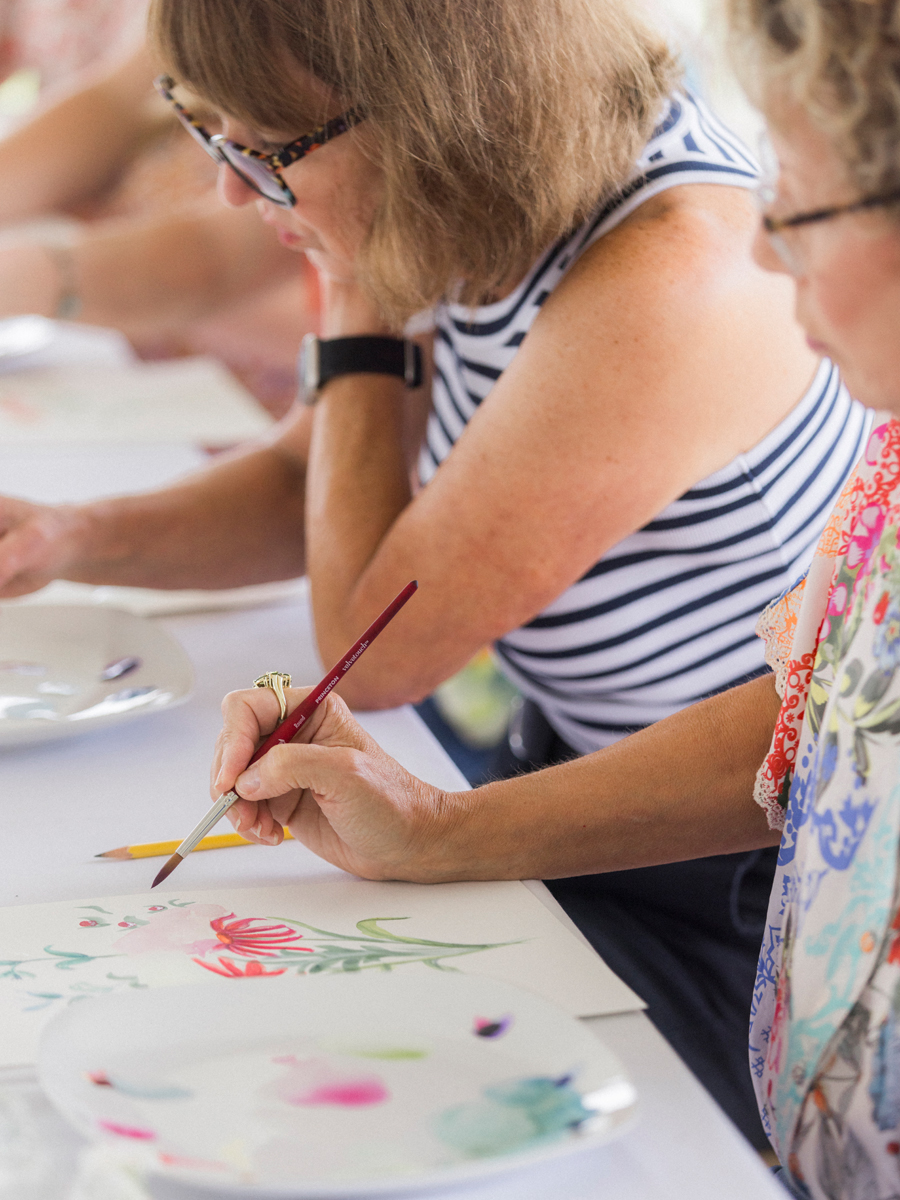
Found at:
<point>787,253</point>
<point>256,174</point>
<point>766,196</point>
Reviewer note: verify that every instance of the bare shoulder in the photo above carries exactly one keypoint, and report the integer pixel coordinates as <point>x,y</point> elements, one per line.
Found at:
<point>669,315</point>
<point>694,239</point>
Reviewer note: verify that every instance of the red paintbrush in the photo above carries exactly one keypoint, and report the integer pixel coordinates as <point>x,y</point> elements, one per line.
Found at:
<point>290,726</point>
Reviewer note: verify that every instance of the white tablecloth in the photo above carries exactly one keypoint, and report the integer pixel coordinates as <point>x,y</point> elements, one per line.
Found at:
<point>64,802</point>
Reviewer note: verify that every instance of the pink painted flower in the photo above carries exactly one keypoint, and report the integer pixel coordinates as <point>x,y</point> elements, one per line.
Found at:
<point>231,970</point>
<point>185,930</point>
<point>157,908</point>
<point>264,941</point>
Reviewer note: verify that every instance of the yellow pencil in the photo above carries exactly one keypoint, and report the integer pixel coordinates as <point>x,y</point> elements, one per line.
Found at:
<point>157,849</point>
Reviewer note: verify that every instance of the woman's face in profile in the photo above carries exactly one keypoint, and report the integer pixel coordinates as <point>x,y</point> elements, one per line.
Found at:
<point>337,189</point>
<point>846,270</point>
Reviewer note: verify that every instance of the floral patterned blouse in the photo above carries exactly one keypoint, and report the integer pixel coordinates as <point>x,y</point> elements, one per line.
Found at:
<point>824,1033</point>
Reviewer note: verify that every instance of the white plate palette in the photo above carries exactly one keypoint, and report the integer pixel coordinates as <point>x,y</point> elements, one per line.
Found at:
<point>67,669</point>
<point>334,1086</point>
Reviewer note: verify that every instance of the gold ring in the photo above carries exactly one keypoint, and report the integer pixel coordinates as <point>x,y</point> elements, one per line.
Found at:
<point>277,681</point>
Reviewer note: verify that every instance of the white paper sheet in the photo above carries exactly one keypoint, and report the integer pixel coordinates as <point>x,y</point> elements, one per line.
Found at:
<point>53,954</point>
<point>183,400</point>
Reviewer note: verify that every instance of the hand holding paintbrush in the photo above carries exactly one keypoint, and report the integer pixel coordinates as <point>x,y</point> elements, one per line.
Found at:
<point>288,728</point>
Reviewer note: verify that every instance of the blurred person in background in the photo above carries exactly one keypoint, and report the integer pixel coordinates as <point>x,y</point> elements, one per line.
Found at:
<point>112,219</point>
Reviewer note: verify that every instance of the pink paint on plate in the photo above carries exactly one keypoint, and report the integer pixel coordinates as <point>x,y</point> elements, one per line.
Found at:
<point>314,1081</point>
<point>128,1131</point>
<point>349,1094</point>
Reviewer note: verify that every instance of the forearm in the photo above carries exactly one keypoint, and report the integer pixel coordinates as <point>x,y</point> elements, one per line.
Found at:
<point>358,486</point>
<point>147,274</point>
<point>681,789</point>
<point>73,147</point>
<point>187,266</point>
<point>239,522</point>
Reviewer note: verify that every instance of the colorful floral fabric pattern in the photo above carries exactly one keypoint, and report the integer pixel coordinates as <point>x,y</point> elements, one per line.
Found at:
<point>824,1037</point>
<point>790,627</point>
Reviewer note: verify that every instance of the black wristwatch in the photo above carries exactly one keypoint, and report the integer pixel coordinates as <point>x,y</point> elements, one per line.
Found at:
<point>323,360</point>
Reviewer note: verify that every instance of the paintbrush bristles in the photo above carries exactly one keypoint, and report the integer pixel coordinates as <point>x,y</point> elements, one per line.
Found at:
<point>167,869</point>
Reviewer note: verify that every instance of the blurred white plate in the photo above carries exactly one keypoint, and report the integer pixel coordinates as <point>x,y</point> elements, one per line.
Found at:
<point>352,1085</point>
<point>68,669</point>
<point>31,342</point>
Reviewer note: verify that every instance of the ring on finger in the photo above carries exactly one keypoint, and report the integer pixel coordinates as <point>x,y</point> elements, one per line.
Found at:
<point>277,681</point>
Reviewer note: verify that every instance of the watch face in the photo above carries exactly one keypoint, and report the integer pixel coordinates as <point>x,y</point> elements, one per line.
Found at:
<point>308,368</point>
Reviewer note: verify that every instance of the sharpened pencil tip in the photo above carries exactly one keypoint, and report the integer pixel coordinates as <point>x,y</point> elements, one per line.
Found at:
<point>122,852</point>
<point>167,870</point>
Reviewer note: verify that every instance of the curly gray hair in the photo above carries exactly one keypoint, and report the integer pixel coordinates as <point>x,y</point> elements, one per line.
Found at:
<point>840,59</point>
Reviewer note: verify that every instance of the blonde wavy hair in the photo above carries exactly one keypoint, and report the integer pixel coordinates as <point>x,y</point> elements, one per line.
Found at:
<point>840,59</point>
<point>500,124</point>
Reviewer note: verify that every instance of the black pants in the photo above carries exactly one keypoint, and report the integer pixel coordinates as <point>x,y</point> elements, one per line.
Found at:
<point>686,937</point>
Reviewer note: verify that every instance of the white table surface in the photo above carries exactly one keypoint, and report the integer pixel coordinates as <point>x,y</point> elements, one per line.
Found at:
<point>66,801</point>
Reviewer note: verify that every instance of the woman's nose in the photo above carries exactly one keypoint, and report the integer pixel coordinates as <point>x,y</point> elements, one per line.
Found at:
<point>232,189</point>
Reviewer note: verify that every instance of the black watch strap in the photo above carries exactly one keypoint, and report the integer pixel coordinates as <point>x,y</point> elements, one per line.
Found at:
<point>323,360</point>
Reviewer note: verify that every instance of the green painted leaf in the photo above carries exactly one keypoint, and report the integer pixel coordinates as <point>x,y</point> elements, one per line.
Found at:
<point>131,980</point>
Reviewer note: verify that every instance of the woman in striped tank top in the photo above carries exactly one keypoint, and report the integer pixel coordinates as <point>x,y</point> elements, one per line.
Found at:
<point>628,447</point>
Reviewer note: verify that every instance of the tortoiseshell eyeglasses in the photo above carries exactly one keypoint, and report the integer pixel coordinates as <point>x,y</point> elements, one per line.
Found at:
<point>259,171</point>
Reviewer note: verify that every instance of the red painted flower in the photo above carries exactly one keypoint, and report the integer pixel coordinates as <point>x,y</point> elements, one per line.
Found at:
<point>88,924</point>
<point>264,941</point>
<point>231,970</point>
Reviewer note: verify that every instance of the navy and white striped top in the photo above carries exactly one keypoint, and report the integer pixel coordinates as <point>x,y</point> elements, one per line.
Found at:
<point>667,615</point>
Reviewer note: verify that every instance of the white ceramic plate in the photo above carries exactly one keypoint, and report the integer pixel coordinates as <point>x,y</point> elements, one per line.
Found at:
<point>352,1085</point>
<point>67,669</point>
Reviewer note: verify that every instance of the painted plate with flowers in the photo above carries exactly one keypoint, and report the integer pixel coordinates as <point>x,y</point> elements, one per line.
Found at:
<point>327,1086</point>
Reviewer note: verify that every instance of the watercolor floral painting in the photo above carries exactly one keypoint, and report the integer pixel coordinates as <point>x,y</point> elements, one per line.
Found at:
<point>223,943</point>
<point>54,954</point>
